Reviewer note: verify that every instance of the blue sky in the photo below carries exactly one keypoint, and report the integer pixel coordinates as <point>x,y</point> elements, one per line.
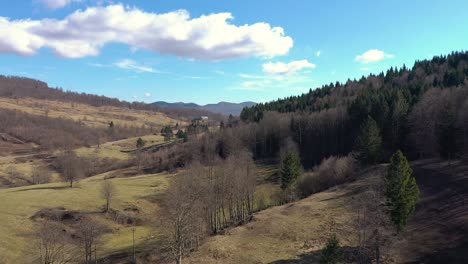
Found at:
<point>206,51</point>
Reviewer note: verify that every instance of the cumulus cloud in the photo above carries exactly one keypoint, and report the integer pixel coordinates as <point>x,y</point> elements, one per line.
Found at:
<point>84,32</point>
<point>287,68</point>
<point>147,94</point>
<point>318,53</point>
<point>55,4</point>
<point>372,55</point>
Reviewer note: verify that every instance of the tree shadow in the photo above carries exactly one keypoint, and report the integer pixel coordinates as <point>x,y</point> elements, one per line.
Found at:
<point>45,188</point>
<point>349,254</point>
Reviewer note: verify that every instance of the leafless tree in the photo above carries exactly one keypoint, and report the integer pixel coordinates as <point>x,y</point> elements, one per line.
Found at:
<point>52,244</point>
<point>108,192</point>
<point>372,224</point>
<point>184,217</point>
<point>88,233</point>
<point>70,166</point>
<point>41,175</point>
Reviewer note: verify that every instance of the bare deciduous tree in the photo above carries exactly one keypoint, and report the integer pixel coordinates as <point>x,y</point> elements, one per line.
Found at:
<point>108,192</point>
<point>184,218</point>
<point>88,233</point>
<point>70,166</point>
<point>372,223</point>
<point>52,244</point>
<point>41,175</point>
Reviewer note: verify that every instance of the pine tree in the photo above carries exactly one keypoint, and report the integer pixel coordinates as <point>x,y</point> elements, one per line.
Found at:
<point>401,190</point>
<point>291,170</point>
<point>369,142</point>
<point>140,143</point>
<point>332,253</point>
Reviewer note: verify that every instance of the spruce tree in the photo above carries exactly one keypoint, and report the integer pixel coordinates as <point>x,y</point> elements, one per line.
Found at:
<point>369,142</point>
<point>332,253</point>
<point>291,169</point>
<point>401,190</point>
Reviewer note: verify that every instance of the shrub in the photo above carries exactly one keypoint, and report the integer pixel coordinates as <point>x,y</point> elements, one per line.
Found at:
<point>332,253</point>
<point>331,172</point>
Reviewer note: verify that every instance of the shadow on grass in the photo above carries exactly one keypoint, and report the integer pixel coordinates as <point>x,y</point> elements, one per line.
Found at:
<point>45,188</point>
<point>349,254</point>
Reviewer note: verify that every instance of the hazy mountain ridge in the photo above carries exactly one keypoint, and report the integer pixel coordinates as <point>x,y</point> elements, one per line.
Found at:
<point>225,108</point>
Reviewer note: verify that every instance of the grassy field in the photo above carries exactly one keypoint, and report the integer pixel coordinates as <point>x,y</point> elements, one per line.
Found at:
<point>89,115</point>
<point>19,204</point>
<point>113,150</point>
<point>119,149</point>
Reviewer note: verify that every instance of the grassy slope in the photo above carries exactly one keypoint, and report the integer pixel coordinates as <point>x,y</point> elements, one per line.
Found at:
<point>292,233</point>
<point>89,115</point>
<point>19,204</point>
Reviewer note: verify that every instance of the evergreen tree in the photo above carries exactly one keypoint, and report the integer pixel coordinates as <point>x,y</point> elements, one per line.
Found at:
<point>291,169</point>
<point>140,143</point>
<point>167,133</point>
<point>332,253</point>
<point>111,124</point>
<point>401,190</point>
<point>369,142</point>
<point>182,135</point>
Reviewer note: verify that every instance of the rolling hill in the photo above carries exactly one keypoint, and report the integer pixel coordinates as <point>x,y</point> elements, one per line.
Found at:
<point>224,108</point>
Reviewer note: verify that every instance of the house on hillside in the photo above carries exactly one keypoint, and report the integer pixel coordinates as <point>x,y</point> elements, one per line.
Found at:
<point>200,120</point>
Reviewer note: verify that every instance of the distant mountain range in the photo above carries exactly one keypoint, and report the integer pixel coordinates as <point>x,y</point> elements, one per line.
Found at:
<point>224,108</point>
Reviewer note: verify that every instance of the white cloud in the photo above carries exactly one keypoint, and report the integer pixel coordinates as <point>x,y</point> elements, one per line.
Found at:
<point>147,94</point>
<point>84,32</point>
<point>287,68</point>
<point>294,82</point>
<point>55,4</point>
<point>372,55</point>
<point>318,53</point>
<point>365,69</point>
<point>128,64</point>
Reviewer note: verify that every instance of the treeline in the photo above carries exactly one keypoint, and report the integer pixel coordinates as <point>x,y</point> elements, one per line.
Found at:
<point>59,133</point>
<point>421,111</point>
<point>20,87</point>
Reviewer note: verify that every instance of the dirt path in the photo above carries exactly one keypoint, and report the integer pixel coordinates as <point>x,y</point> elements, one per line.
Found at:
<point>437,233</point>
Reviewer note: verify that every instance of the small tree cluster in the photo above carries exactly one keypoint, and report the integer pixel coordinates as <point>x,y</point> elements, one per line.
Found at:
<point>167,133</point>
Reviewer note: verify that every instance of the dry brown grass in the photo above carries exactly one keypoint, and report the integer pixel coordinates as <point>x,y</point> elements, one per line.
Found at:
<point>285,232</point>
<point>89,115</point>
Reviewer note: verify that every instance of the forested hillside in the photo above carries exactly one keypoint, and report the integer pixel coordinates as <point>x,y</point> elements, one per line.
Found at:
<point>422,110</point>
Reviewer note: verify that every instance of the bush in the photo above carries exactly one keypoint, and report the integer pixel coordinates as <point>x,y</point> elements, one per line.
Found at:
<point>331,172</point>
<point>332,253</point>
